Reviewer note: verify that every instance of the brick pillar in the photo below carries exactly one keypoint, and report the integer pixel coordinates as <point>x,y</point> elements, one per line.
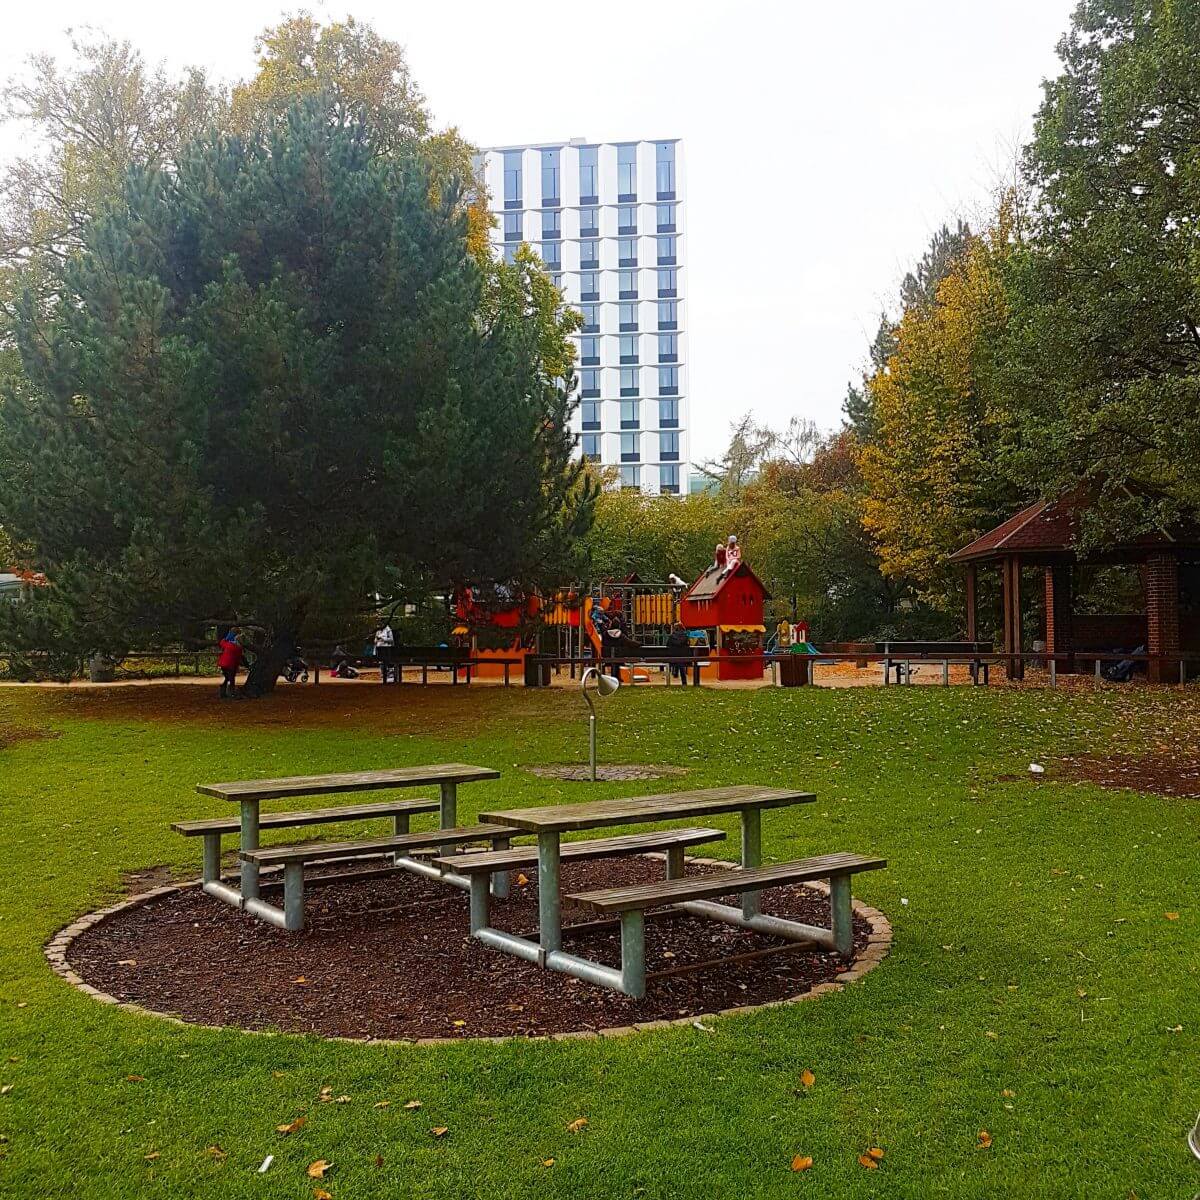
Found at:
<point>1059,601</point>
<point>1162,615</point>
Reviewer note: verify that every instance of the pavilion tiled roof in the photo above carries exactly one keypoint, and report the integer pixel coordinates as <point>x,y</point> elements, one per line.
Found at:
<point>1049,527</point>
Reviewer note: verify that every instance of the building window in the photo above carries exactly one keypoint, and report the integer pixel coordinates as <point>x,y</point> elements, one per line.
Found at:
<point>668,381</point>
<point>668,414</point>
<point>512,227</point>
<point>668,281</point>
<point>626,173</point>
<point>552,255</point>
<point>627,284</point>
<point>629,318</point>
<point>631,479</point>
<point>668,314</point>
<point>668,447</point>
<point>666,218</point>
<point>589,351</point>
<point>591,447</point>
<point>627,219</point>
<point>589,176</point>
<point>627,252</point>
<point>591,317</point>
<point>589,286</point>
<point>589,255</point>
<point>630,381</point>
<point>590,384</point>
<point>668,347</point>
<point>512,178</point>
<point>666,251</point>
<point>550,188</point>
<point>668,480</point>
<point>589,411</point>
<point>631,414</point>
<point>589,222</point>
<point>556,280</point>
<point>510,253</point>
<point>664,160</point>
<point>552,225</point>
<point>631,447</point>
<point>629,349</point>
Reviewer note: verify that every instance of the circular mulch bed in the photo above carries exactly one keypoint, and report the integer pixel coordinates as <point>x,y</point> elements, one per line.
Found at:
<point>390,957</point>
<point>608,773</point>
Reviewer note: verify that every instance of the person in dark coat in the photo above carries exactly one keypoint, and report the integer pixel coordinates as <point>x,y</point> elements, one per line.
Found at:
<point>680,646</point>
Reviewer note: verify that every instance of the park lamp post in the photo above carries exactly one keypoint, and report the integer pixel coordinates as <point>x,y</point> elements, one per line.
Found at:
<point>605,686</point>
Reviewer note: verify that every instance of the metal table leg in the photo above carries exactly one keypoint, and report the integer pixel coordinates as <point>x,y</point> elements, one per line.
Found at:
<point>549,903</point>
<point>449,809</point>
<point>751,854</point>
<point>248,840</point>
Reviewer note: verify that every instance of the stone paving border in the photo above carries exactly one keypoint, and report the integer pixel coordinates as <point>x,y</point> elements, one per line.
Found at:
<point>878,944</point>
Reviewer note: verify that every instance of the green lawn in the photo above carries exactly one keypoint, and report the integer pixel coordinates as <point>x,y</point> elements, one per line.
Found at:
<point>1032,955</point>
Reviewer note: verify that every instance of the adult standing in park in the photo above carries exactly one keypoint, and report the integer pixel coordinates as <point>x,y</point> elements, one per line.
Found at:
<point>229,659</point>
<point>679,644</point>
<point>385,641</point>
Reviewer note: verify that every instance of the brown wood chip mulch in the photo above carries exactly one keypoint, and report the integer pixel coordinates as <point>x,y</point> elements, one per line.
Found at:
<point>390,957</point>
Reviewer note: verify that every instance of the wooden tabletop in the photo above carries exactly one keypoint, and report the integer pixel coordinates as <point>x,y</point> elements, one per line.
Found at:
<point>670,806</point>
<point>355,781</point>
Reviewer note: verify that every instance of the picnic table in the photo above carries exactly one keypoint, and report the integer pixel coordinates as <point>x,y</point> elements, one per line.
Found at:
<point>549,823</point>
<point>249,794</point>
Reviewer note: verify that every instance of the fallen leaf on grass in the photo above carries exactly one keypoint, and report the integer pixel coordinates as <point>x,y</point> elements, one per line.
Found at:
<point>216,1152</point>
<point>325,1095</point>
<point>440,1130</point>
<point>807,1078</point>
<point>547,1162</point>
<point>322,1194</point>
<point>867,1161</point>
<point>802,1162</point>
<point>8,1087</point>
<point>576,1125</point>
<point>875,1152</point>
<point>341,1099</point>
<point>413,1104</point>
<point>1171,916</point>
<point>991,1035</point>
<point>382,1104</point>
<point>291,1126</point>
<point>151,1156</point>
<point>379,1160</point>
<point>317,1170</point>
<point>135,1078</point>
<point>1008,1093</point>
<point>985,1140</point>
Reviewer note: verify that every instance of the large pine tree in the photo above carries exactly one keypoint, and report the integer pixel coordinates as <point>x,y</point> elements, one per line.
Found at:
<point>269,388</point>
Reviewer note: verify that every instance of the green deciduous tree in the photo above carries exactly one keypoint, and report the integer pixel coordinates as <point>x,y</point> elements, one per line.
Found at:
<point>269,387</point>
<point>1106,301</point>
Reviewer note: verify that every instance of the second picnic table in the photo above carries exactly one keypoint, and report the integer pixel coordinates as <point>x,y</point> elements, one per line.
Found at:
<point>552,821</point>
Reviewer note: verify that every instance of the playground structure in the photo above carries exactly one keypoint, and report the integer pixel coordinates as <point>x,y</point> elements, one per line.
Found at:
<point>722,610</point>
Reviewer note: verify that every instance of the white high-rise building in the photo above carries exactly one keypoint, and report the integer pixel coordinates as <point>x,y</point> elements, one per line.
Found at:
<point>607,219</point>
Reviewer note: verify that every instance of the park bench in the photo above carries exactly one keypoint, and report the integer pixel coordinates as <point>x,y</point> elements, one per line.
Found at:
<point>213,829</point>
<point>693,895</point>
<point>293,858</point>
<point>672,841</point>
<point>898,656</point>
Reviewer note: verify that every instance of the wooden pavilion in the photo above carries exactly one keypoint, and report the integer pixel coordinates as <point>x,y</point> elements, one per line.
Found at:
<point>1044,536</point>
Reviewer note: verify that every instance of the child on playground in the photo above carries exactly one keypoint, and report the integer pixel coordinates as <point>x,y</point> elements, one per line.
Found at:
<point>229,659</point>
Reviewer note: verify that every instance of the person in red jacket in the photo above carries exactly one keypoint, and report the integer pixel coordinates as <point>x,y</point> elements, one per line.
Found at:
<point>229,659</point>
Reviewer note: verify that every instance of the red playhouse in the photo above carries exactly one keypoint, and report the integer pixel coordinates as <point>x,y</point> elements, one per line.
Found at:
<point>498,623</point>
<point>728,604</point>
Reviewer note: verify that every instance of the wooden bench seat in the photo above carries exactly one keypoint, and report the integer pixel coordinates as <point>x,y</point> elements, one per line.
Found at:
<point>724,883</point>
<point>693,894</point>
<point>672,841</point>
<point>293,857</point>
<point>314,816</point>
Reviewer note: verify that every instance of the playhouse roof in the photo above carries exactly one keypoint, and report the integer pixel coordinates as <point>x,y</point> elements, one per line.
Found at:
<point>710,585</point>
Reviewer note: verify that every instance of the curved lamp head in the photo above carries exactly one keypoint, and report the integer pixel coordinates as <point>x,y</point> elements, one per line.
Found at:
<point>607,684</point>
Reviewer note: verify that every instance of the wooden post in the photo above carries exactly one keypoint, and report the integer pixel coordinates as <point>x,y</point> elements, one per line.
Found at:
<point>972,603</point>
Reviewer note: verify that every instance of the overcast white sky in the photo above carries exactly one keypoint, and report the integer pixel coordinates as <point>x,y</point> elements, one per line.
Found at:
<point>824,142</point>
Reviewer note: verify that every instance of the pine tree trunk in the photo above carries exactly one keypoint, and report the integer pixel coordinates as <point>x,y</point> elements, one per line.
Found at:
<point>272,656</point>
